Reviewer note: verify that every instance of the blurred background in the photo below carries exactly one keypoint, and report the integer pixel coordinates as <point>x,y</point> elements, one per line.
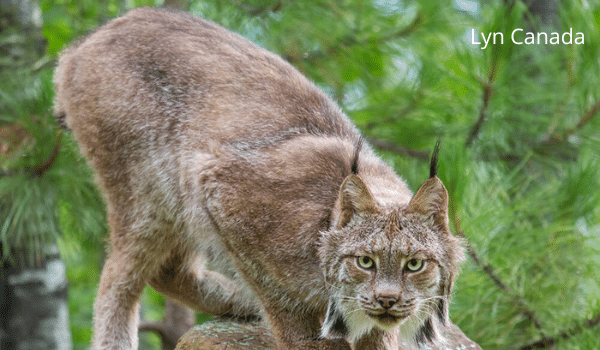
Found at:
<point>520,131</point>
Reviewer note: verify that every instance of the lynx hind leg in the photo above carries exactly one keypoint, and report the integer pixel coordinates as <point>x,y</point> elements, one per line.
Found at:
<point>139,246</point>
<point>190,283</point>
<point>116,306</point>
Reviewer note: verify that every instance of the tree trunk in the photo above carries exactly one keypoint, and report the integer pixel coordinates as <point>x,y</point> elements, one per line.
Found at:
<point>33,303</point>
<point>21,21</point>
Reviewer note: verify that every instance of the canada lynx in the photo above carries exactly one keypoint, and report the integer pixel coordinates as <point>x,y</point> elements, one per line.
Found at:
<point>236,187</point>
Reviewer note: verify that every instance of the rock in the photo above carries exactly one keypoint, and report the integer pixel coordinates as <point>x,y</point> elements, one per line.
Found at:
<point>221,334</point>
<point>228,334</point>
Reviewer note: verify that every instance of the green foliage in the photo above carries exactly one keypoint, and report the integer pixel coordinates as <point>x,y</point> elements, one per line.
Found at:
<point>44,184</point>
<point>83,263</point>
<point>539,244</point>
<point>519,128</point>
<point>65,20</point>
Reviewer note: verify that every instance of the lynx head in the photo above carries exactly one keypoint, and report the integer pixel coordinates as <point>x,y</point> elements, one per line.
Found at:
<point>389,267</point>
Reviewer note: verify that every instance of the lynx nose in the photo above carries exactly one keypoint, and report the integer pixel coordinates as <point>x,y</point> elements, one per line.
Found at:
<point>386,301</point>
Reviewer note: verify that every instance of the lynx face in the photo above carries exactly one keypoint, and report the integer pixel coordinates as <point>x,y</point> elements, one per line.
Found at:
<point>389,268</point>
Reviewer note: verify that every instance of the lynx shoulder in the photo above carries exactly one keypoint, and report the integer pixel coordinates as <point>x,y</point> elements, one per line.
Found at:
<point>236,187</point>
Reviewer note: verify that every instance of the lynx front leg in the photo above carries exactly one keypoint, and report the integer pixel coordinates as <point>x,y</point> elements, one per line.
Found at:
<point>300,332</point>
<point>378,339</point>
<point>203,290</point>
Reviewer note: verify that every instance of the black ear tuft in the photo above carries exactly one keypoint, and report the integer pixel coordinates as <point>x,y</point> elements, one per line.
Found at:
<point>434,160</point>
<point>357,149</point>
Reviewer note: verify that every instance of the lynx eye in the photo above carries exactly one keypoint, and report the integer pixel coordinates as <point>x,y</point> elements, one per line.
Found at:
<point>365,262</point>
<point>414,265</point>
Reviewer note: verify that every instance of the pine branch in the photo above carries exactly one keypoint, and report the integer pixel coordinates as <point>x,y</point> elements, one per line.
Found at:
<point>552,143</point>
<point>546,341</point>
<point>562,104</point>
<point>393,119</point>
<point>46,164</point>
<point>411,28</point>
<point>489,270</point>
<point>38,170</point>
<point>348,42</point>
<point>583,121</point>
<point>488,91</point>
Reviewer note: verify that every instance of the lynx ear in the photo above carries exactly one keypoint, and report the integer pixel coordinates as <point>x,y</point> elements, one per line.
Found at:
<point>431,201</point>
<point>354,198</point>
